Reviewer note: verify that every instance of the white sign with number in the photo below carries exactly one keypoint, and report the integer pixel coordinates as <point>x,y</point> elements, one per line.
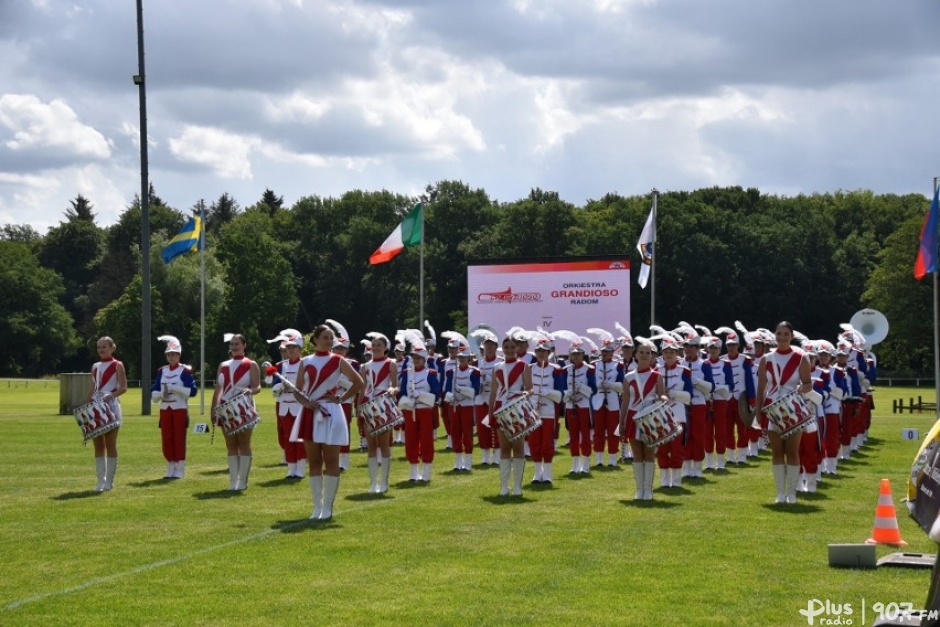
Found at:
<point>910,434</point>
<point>201,427</point>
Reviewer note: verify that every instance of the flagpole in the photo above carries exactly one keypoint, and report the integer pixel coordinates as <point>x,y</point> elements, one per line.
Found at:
<point>421,276</point>
<point>936,330</point>
<point>202,308</point>
<point>653,262</point>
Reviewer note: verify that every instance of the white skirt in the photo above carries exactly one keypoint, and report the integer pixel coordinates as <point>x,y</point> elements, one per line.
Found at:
<point>331,429</point>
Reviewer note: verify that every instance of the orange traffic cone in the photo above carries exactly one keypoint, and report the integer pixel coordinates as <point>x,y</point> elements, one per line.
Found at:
<point>886,519</point>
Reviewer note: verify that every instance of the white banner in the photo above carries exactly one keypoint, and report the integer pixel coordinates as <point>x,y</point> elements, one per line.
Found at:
<point>572,295</point>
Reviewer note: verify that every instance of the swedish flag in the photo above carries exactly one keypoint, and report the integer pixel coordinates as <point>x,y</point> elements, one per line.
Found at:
<point>189,238</point>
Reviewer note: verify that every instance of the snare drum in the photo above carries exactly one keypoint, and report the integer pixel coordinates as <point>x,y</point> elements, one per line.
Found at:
<point>790,414</point>
<point>237,415</point>
<point>518,418</point>
<point>380,414</point>
<point>95,419</point>
<point>656,425</point>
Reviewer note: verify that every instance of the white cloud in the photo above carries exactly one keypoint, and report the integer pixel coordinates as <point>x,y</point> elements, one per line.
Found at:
<point>36,126</point>
<point>227,154</point>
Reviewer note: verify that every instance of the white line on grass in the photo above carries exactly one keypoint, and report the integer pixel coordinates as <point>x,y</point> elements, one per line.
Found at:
<point>256,536</point>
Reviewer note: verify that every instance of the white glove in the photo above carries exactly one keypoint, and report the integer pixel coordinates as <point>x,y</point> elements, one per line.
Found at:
<point>406,402</point>
<point>181,391</point>
<point>680,396</point>
<point>426,398</point>
<point>448,398</point>
<point>702,386</point>
<point>814,397</point>
<point>554,396</point>
<point>836,392</point>
<point>467,392</point>
<point>584,389</point>
<point>722,392</point>
<point>617,387</point>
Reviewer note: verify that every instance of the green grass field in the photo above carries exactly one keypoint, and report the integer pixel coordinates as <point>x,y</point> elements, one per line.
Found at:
<point>155,552</point>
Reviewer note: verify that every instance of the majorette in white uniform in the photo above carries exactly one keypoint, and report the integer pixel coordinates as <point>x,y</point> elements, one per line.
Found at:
<point>172,388</point>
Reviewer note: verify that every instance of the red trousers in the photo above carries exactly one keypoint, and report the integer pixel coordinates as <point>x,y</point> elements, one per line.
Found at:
<point>542,441</point>
<point>419,435</point>
<point>809,452</point>
<point>716,426</point>
<point>173,425</point>
<point>849,421</point>
<point>672,453</point>
<point>486,437</point>
<point>735,422</point>
<point>293,451</point>
<point>605,423</point>
<point>579,429</point>
<point>461,428</point>
<point>832,435</point>
<point>695,442</point>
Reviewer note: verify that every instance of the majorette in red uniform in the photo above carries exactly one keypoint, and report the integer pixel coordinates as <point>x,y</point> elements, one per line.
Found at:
<point>380,376</point>
<point>323,427</point>
<point>608,376</point>
<point>627,348</point>
<point>547,385</point>
<point>677,382</point>
<point>235,376</point>
<point>461,387</point>
<point>286,406</point>
<point>486,364</point>
<point>716,423</point>
<point>643,386</point>
<point>172,388</point>
<point>580,385</point>
<point>702,388</point>
<point>341,348</point>
<point>511,379</point>
<point>835,386</point>
<point>109,381</point>
<point>418,393</point>
<point>781,371</point>
<point>742,398</point>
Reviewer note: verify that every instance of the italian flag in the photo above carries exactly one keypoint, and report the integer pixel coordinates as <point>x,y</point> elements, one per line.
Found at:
<point>408,233</point>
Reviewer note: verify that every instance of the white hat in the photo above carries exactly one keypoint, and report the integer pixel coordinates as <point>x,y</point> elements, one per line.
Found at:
<point>341,336</point>
<point>463,350</point>
<point>173,345</point>
<point>625,338</point>
<point>289,337</point>
<point>712,342</point>
<point>731,336</point>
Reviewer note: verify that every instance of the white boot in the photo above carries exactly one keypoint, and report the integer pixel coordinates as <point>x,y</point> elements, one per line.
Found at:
<point>686,469</point>
<point>458,461</point>
<point>677,476</point>
<point>330,485</point>
<point>373,475</point>
<point>301,468</point>
<point>426,473</point>
<point>291,470</point>
<point>494,460</point>
<point>538,473</point>
<point>586,464</point>
<point>244,467</point>
<point>639,478</point>
<point>697,469</point>
<point>546,472</point>
<point>386,470</point>
<point>793,478</point>
<point>811,483</point>
<point>665,478</point>
<point>316,495</point>
<point>843,452</point>
<point>101,471</point>
<point>732,454</point>
<point>575,465</point>
<point>612,460</point>
<point>780,480</point>
<point>170,470</point>
<point>486,457</point>
<point>344,461</point>
<point>505,466</point>
<point>518,468</point>
<point>801,482</point>
<point>710,461</point>
<point>112,469</point>
<point>233,472</point>
<point>649,471</point>
<point>598,459</point>
<point>180,469</point>
<point>450,443</point>
<point>414,473</point>
<point>833,465</point>
<point>721,460</point>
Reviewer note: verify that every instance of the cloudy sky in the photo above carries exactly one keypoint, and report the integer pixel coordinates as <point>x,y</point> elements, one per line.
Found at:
<point>583,97</point>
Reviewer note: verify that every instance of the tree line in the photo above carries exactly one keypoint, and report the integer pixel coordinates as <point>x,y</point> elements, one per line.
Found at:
<point>722,254</point>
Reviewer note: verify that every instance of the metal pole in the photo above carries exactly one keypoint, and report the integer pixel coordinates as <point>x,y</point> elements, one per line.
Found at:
<point>145,331</point>
<point>202,309</point>
<point>421,276</point>
<point>936,331</point>
<point>653,261</point>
